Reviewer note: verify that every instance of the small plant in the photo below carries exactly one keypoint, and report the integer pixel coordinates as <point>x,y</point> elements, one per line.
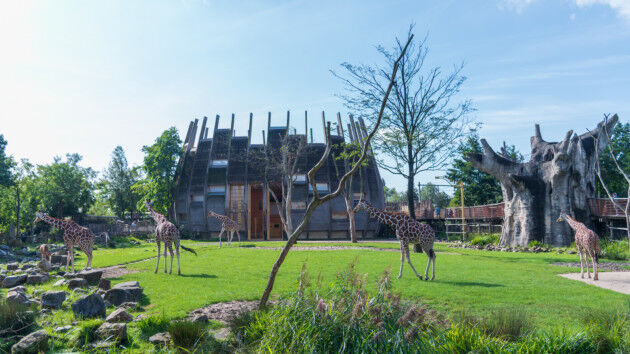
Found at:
<point>609,328</point>
<point>483,240</point>
<point>187,334</point>
<point>86,332</point>
<point>15,320</point>
<point>614,250</point>
<point>151,325</point>
<point>507,323</point>
<point>537,243</point>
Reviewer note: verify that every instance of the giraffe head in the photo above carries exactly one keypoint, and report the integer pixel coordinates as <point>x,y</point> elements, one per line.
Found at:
<point>38,217</point>
<point>361,205</point>
<point>147,203</point>
<point>211,213</point>
<point>562,216</point>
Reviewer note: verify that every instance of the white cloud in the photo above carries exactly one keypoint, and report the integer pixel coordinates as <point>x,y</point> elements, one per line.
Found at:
<point>622,7</point>
<point>514,5</point>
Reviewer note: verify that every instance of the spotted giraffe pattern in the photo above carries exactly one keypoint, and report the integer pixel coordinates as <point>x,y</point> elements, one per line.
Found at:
<point>168,233</point>
<point>73,235</point>
<point>408,231</point>
<point>45,252</point>
<point>587,243</point>
<point>228,226</point>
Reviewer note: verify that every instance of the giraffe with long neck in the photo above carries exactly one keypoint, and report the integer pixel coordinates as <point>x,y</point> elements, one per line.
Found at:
<point>408,231</point>
<point>73,235</point>
<point>228,226</point>
<point>168,233</point>
<point>587,243</point>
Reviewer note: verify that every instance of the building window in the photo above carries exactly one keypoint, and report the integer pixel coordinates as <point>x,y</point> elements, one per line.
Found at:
<point>216,189</point>
<point>298,205</point>
<point>339,215</point>
<point>299,179</point>
<point>321,188</point>
<point>219,163</point>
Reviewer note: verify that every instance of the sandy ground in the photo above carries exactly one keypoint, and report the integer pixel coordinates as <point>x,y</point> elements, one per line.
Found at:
<point>616,281</point>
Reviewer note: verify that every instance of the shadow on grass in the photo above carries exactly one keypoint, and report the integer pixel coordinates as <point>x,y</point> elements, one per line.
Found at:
<point>202,275</point>
<point>473,283</point>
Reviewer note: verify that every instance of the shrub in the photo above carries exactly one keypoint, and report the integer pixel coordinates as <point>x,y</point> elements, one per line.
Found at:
<point>609,329</point>
<point>151,325</point>
<point>187,334</point>
<point>85,332</point>
<point>507,323</point>
<point>15,321</point>
<point>483,240</point>
<point>537,243</point>
<point>614,250</point>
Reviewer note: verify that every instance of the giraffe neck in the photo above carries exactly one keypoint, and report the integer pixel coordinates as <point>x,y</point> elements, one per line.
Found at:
<point>574,224</point>
<point>382,216</point>
<point>155,215</point>
<point>58,223</point>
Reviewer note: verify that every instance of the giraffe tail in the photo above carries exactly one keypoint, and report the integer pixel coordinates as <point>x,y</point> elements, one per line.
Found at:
<point>188,249</point>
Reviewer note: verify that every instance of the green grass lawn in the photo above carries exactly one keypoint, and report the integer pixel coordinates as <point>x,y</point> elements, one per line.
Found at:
<point>478,281</point>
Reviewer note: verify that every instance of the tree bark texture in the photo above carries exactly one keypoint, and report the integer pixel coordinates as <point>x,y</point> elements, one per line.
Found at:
<point>560,176</point>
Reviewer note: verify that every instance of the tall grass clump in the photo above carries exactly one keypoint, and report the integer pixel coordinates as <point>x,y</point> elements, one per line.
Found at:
<point>151,325</point>
<point>187,334</point>
<point>507,323</point>
<point>15,321</point>
<point>614,250</point>
<point>85,332</point>
<point>609,328</point>
<point>483,240</point>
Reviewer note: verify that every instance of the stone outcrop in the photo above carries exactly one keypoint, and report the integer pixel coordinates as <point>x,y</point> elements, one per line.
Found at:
<point>90,306</point>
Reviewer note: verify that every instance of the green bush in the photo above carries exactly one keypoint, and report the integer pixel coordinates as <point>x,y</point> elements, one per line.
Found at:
<point>85,332</point>
<point>614,250</point>
<point>187,334</point>
<point>537,243</point>
<point>609,328</point>
<point>483,240</point>
<point>507,323</point>
<point>151,325</point>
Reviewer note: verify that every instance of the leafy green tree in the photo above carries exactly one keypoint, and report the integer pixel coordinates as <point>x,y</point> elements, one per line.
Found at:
<point>6,163</point>
<point>479,187</point>
<point>160,164</point>
<point>620,142</point>
<point>65,188</point>
<point>117,182</point>
<point>432,193</point>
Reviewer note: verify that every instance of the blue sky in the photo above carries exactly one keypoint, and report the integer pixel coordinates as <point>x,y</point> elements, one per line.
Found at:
<point>83,77</point>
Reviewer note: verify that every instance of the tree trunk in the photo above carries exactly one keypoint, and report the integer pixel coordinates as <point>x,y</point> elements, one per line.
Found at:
<point>350,211</point>
<point>559,177</point>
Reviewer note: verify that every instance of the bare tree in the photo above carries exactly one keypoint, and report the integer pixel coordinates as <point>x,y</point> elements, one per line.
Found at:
<point>422,126</point>
<point>318,200</point>
<point>625,209</point>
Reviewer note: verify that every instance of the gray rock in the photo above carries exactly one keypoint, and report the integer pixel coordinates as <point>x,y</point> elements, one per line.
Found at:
<point>60,282</point>
<point>44,265</point>
<point>36,279</point>
<point>53,299</point>
<point>18,298</point>
<point>27,266</point>
<point>112,332</point>
<point>160,339</point>
<point>119,315</point>
<point>58,259</point>
<point>18,288</point>
<point>124,292</point>
<point>14,280</point>
<point>200,318</point>
<point>33,343</point>
<point>2,276</point>
<point>92,276</point>
<point>77,283</point>
<point>89,306</point>
<point>105,284</point>
<point>63,329</point>
<point>13,266</point>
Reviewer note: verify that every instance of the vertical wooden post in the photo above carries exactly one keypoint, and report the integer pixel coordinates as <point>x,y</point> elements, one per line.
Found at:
<point>306,127</point>
<point>311,135</point>
<point>339,125</point>
<point>202,132</point>
<point>288,121</point>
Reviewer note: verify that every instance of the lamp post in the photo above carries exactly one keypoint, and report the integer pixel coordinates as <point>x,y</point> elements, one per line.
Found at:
<point>460,184</point>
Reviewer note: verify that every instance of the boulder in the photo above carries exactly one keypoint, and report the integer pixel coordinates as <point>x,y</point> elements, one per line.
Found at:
<point>36,279</point>
<point>53,299</point>
<point>128,305</point>
<point>18,298</point>
<point>60,282</point>
<point>18,288</point>
<point>163,338</point>
<point>77,283</point>
<point>14,280</point>
<point>63,329</point>
<point>27,266</point>
<point>89,306</point>
<point>92,276</point>
<point>105,284</point>
<point>13,266</point>
<point>199,318</point>
<point>33,343</point>
<point>112,332</point>
<point>58,259</point>
<point>124,292</point>
<point>44,265</point>
<point>119,315</point>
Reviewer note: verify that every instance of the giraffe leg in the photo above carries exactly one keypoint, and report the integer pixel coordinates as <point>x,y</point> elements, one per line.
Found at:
<point>433,261</point>
<point>411,265</point>
<point>157,266</point>
<point>239,238</point>
<point>179,271</point>
<point>72,261</point>
<point>595,275</point>
<point>581,262</point>
<point>170,250</point>
<point>230,237</point>
<point>89,261</point>
<point>68,258</point>
<point>166,244</point>
<point>220,233</point>
<point>402,260</point>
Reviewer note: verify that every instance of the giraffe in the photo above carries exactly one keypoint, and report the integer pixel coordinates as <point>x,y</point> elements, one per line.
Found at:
<point>166,232</point>
<point>227,225</point>
<point>45,252</point>
<point>408,231</point>
<point>74,234</point>
<point>587,243</point>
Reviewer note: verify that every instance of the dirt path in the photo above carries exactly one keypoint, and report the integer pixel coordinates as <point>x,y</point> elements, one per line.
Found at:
<point>616,281</point>
<point>614,266</point>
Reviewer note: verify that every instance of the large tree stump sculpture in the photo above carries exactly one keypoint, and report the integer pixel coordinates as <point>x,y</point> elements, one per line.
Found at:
<point>559,177</point>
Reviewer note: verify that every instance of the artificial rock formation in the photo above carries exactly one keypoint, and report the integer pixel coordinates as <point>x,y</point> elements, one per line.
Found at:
<point>560,176</point>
